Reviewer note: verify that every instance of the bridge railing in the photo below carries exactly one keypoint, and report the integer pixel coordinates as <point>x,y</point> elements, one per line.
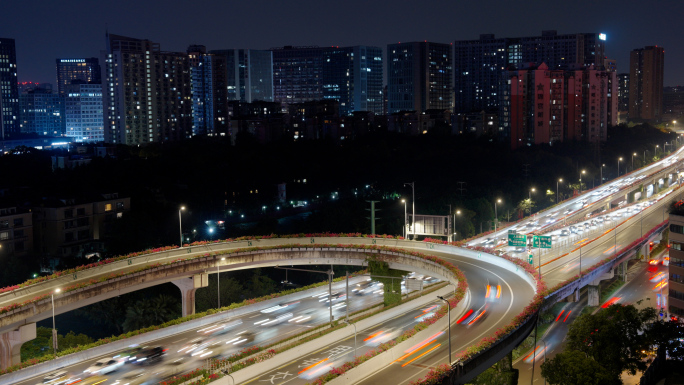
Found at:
<point>465,371</point>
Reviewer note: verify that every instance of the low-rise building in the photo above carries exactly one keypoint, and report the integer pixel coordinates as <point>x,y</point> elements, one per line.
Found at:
<point>16,232</point>
<point>76,227</point>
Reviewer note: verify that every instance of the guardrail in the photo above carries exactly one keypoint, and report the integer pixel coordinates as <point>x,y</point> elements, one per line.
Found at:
<point>464,371</point>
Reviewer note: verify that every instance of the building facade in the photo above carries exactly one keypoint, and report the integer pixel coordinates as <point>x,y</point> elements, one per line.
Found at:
<point>249,74</point>
<point>676,265</point>
<point>209,93</point>
<point>419,77</point>
<point>9,94</point>
<point>646,68</point>
<point>16,232</point>
<point>353,76</point>
<point>82,70</point>
<point>623,92</point>
<point>544,105</point>
<point>479,65</point>
<point>72,227</point>
<point>147,92</point>
<point>83,112</point>
<point>297,74</point>
<point>42,112</point>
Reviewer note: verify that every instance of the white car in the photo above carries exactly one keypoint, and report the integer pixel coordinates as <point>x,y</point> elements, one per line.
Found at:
<point>104,366</point>
<point>59,377</point>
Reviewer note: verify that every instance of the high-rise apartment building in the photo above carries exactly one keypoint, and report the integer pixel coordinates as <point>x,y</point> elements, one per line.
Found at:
<point>419,77</point>
<point>353,77</point>
<point>83,112</point>
<point>9,95</point>
<point>646,67</point>
<point>297,74</point>
<point>675,296</point>
<point>623,92</point>
<point>42,112</point>
<point>479,65</point>
<point>83,70</point>
<point>147,92</point>
<point>209,93</point>
<point>249,74</point>
<point>546,105</point>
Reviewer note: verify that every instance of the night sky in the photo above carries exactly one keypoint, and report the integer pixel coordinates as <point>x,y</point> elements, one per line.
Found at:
<point>47,29</point>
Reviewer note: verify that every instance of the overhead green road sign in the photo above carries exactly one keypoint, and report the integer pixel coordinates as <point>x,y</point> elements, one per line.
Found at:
<point>515,239</point>
<point>530,259</point>
<point>541,242</point>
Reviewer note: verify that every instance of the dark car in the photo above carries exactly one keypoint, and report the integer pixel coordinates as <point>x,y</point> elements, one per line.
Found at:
<point>148,355</point>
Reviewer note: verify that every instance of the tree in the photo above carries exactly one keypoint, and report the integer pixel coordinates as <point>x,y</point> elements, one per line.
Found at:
<point>106,313</point>
<point>574,367</point>
<point>668,335</point>
<point>70,340</point>
<point>260,285</point>
<point>526,205</point>
<point>206,297</point>
<point>613,337</point>
<point>148,312</point>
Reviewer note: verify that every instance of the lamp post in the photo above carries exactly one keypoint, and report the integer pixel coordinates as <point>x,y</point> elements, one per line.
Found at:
<point>413,202</point>
<point>354,325</point>
<point>619,159</point>
<point>496,216</point>
<point>218,283</point>
<point>580,180</point>
<point>559,181</point>
<point>404,202</point>
<point>458,212</point>
<point>655,151</point>
<point>602,166</point>
<point>54,330</point>
<point>180,224</point>
<point>448,325</point>
<point>633,155</point>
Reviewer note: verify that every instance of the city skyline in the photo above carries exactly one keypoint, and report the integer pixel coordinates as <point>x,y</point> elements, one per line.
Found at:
<point>306,23</point>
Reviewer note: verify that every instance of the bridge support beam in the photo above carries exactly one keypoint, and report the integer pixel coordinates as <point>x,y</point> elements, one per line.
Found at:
<point>188,286</point>
<point>593,295</point>
<point>645,252</point>
<point>10,344</point>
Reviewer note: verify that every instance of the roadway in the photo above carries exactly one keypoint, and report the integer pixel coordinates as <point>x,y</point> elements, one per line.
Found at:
<point>645,283</point>
<point>256,328</point>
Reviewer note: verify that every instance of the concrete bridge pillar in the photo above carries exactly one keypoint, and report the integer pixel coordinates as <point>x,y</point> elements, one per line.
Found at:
<point>645,252</point>
<point>574,297</point>
<point>622,271</point>
<point>10,344</point>
<point>188,286</point>
<point>593,294</point>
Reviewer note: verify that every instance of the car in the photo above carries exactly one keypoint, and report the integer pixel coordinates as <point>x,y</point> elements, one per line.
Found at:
<point>60,377</point>
<point>580,229</point>
<point>493,292</point>
<point>564,233</point>
<point>130,352</point>
<point>104,366</point>
<point>599,220</point>
<point>149,355</point>
<point>573,229</point>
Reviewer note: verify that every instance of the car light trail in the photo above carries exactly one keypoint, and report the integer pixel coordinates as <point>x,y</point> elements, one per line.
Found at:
<point>465,316</point>
<point>560,314</point>
<point>568,315</point>
<point>610,302</point>
<point>373,336</point>
<point>311,366</point>
<point>433,348</point>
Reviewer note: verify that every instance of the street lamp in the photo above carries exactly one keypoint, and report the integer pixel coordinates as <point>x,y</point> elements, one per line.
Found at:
<point>633,155</point>
<point>404,202</point>
<point>218,283</point>
<point>354,325</point>
<point>530,194</point>
<point>619,160</point>
<point>559,181</point>
<point>448,325</point>
<point>180,224</point>
<point>413,202</point>
<point>54,330</point>
<point>496,217</point>
<point>602,166</point>
<point>458,212</point>
<point>655,151</point>
<point>580,180</point>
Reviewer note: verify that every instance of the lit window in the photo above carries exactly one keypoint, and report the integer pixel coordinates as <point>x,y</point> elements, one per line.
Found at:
<point>108,207</point>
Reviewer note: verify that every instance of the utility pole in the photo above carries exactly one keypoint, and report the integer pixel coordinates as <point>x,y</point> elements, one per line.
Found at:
<point>372,217</point>
<point>460,187</point>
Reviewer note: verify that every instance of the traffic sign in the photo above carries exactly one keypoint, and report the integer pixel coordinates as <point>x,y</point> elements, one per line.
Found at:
<point>541,241</point>
<point>530,259</point>
<point>515,239</point>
